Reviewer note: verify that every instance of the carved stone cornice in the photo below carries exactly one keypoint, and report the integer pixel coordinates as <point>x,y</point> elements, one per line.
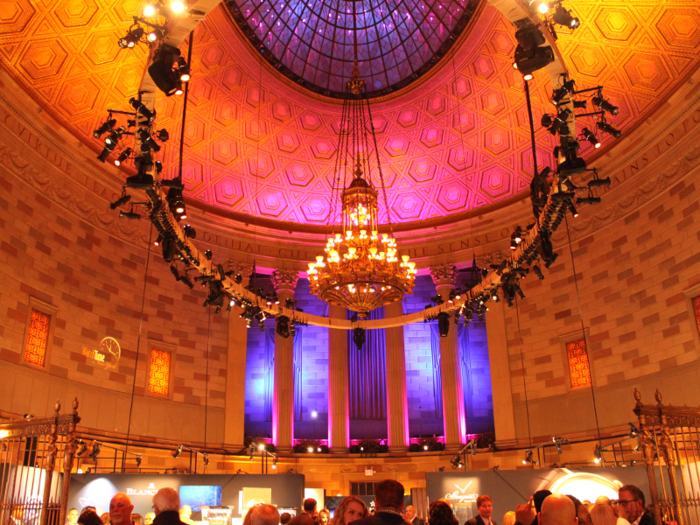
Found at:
<point>244,269</point>
<point>444,275</point>
<point>285,280</point>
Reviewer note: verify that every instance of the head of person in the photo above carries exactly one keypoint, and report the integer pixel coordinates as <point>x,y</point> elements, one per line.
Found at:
<point>148,518</point>
<point>584,518</point>
<point>324,517</point>
<point>410,513</point>
<point>72,516</point>
<point>350,509</point>
<point>166,499</point>
<point>509,518</point>
<point>105,518</point>
<point>137,519</point>
<point>186,511</point>
<point>603,500</point>
<point>484,506</point>
<point>388,494</point>
<point>539,497</point>
<point>265,515</point>
<point>557,510</point>
<point>440,513</point>
<point>285,518</point>
<point>602,514</point>
<point>120,509</point>
<point>89,517</point>
<point>310,505</point>
<point>630,503</point>
<point>248,516</point>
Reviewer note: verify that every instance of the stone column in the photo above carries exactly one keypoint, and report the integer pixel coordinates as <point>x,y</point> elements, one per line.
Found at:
<point>396,399</point>
<point>454,419</point>
<point>338,393</point>
<point>284,282</point>
<point>501,388</point>
<point>234,416</point>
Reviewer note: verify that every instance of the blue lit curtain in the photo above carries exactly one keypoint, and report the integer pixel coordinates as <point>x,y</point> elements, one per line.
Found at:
<point>298,383</point>
<point>437,374</point>
<point>465,359</point>
<point>368,373</point>
<point>269,371</point>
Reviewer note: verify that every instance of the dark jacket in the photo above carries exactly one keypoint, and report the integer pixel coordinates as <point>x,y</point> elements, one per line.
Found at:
<point>381,518</point>
<point>417,521</point>
<point>302,519</point>
<point>478,520</point>
<point>168,517</point>
<point>647,519</point>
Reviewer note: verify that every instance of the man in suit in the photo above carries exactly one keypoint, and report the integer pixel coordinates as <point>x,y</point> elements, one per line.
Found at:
<point>411,517</point>
<point>307,516</point>
<point>388,501</point>
<point>631,506</point>
<point>484,507</point>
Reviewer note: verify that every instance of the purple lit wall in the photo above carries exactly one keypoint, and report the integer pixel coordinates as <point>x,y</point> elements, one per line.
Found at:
<point>422,420</point>
<point>313,385</point>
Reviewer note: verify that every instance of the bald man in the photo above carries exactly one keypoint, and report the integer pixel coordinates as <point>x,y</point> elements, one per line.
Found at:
<point>265,515</point>
<point>166,504</point>
<point>120,509</point>
<point>557,510</point>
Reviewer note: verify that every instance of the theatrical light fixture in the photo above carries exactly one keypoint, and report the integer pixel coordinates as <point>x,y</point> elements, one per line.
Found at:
<point>106,126</point>
<point>95,450</point>
<point>472,447</point>
<point>131,215</point>
<point>443,323</point>
<point>282,326</point>
<point>163,135</point>
<point>122,156</point>
<point>567,88</point>
<point>457,462</point>
<point>359,337</point>
<point>559,123</point>
<point>598,452</point>
<point>189,231</point>
<point>590,137</point>
<point>609,129</point>
<point>588,200</point>
<point>538,272</point>
<point>529,56</point>
<point>183,69</point>
<point>147,142</point>
<point>149,10</point>
<point>132,38</point>
<point>177,6</point>
<point>599,183</point>
<point>163,71</point>
<point>178,451</point>
<point>82,450</point>
<point>207,256</point>
<point>120,201</point>
<point>138,460</point>
<point>604,105</point>
<point>155,34</point>
<point>142,180</point>
<point>172,183</point>
<point>543,8</point>
<point>572,209</point>
<point>563,17</point>
<point>528,458</point>
<point>142,109</point>
<point>558,442</point>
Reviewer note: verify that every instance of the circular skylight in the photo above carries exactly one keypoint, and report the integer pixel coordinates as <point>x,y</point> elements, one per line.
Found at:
<point>312,41</point>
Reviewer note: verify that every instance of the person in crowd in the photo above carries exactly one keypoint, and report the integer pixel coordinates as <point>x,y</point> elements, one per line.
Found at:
<point>72,517</point>
<point>247,520</point>
<point>630,506</point>
<point>120,509</point>
<point>411,518</point>
<point>584,517</point>
<point>388,501</point>
<point>484,506</point>
<point>440,513</point>
<point>285,518</point>
<point>324,517</point>
<point>148,518</point>
<point>603,514</point>
<point>557,510</point>
<point>509,518</point>
<point>604,500</point>
<point>89,517</point>
<point>350,509</point>
<point>265,515</point>
<point>166,504</point>
<point>105,518</point>
<point>307,516</point>
<point>137,519</point>
<point>186,515</point>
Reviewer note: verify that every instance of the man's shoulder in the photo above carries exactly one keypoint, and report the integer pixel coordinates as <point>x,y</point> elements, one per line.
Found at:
<point>647,519</point>
<point>380,518</point>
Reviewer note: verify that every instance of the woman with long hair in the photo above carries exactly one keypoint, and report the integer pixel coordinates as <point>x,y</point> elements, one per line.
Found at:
<point>350,509</point>
<point>603,515</point>
<point>440,513</point>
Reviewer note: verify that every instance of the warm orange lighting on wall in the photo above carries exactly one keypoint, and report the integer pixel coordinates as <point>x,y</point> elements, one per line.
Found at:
<point>37,339</point>
<point>579,369</point>
<point>696,310</point>
<point>159,375</point>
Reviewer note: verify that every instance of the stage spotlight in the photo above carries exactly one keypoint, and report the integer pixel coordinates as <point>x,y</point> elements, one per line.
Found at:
<point>147,142</point>
<point>609,129</point>
<point>142,110</point>
<point>543,8</point>
<point>207,255</point>
<point>161,71</point>
<point>83,449</point>
<point>142,180</point>
<point>529,56</point>
<point>282,326</point>
<point>359,337</point>
<point>590,137</point>
<point>559,124</point>
<point>120,201</point>
<point>131,215</point>
<point>122,157</point>
<point>567,88</point>
<point>178,451</point>
<point>189,231</point>
<point>443,323</point>
<point>177,6</point>
<point>572,166</point>
<point>598,453</point>
<point>173,183</point>
<point>138,460</point>
<point>132,38</point>
<point>599,183</point>
<point>572,209</point>
<point>538,272</point>
<point>106,126</point>
<point>563,17</point>
<point>604,105</point>
<point>155,34</point>
<point>528,458</point>
<point>183,69</point>
<point>163,135</point>
<point>149,10</point>
<point>588,200</point>
<point>95,450</point>
<point>105,153</point>
<point>546,120</point>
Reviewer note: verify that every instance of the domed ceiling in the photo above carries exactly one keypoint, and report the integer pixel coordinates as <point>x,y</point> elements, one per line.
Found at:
<point>258,144</point>
<point>314,42</point>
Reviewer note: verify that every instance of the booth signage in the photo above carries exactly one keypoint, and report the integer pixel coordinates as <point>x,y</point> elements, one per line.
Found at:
<point>150,491</point>
<point>459,496</point>
<point>107,355</point>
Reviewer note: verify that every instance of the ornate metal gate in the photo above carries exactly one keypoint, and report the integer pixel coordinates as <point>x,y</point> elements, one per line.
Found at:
<point>36,458</point>
<point>670,441</point>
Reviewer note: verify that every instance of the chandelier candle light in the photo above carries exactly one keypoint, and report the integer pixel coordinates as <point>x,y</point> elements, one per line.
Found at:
<point>361,270</point>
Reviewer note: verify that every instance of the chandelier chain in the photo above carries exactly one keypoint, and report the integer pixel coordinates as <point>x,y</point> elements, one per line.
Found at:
<point>379,169</point>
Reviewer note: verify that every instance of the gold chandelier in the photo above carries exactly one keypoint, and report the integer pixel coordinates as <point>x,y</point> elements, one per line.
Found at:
<point>361,270</point>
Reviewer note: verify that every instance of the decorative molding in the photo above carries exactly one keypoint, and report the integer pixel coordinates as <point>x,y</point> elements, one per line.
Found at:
<point>444,275</point>
<point>285,280</point>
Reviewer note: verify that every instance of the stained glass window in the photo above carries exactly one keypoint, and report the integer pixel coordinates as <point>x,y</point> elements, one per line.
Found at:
<point>579,369</point>
<point>159,376</point>
<point>696,309</point>
<point>37,339</point>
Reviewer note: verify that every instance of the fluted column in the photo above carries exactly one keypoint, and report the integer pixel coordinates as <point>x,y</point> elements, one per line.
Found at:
<point>397,398</point>
<point>284,282</point>
<point>338,394</point>
<point>503,414</point>
<point>234,417</point>
<point>454,419</point>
